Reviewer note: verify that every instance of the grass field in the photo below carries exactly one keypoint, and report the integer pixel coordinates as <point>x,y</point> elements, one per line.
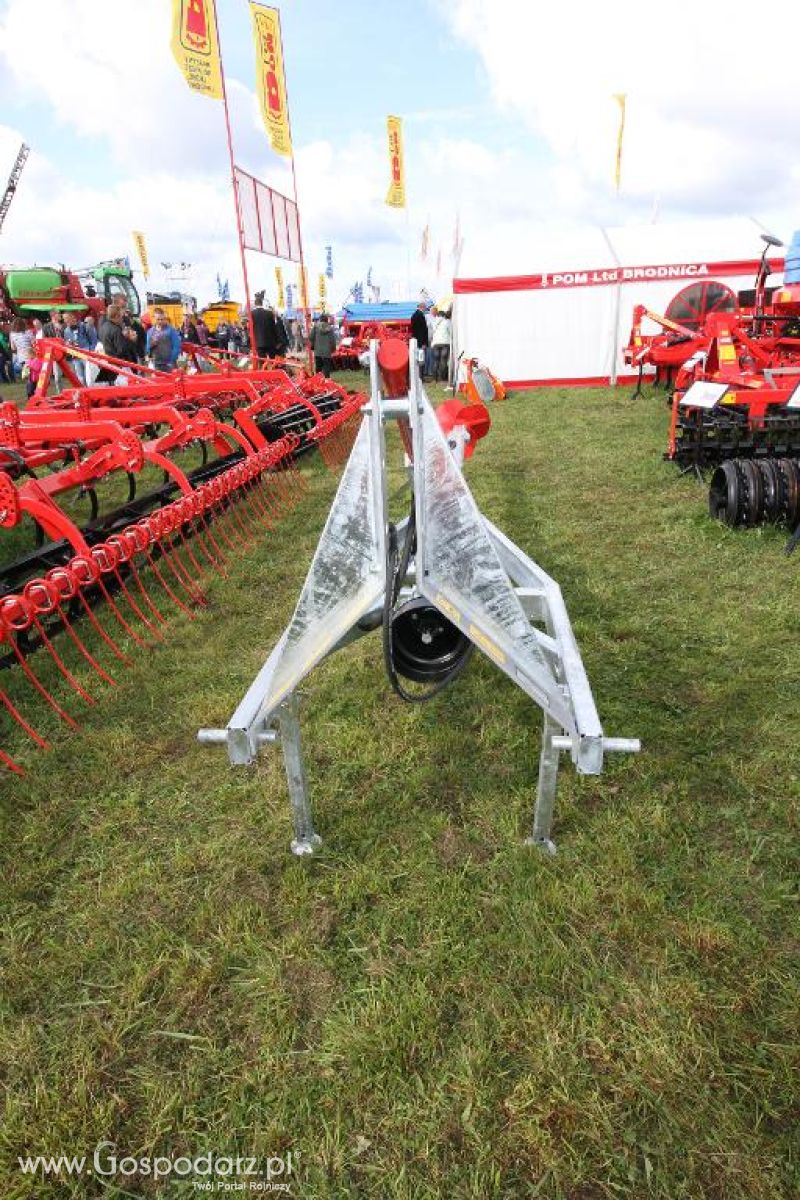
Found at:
<point>429,1008</point>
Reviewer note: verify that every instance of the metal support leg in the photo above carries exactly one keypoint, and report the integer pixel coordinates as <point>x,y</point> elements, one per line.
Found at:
<point>546,791</point>
<point>305,840</point>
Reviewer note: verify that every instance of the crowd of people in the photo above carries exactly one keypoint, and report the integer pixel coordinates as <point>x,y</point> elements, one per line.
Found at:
<point>156,341</point>
<point>434,335</point>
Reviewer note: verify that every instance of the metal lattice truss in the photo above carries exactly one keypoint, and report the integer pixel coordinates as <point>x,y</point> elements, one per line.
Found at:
<point>506,604</point>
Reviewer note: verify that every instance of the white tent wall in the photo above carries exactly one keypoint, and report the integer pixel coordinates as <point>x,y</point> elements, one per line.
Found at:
<point>541,327</point>
<point>524,335</point>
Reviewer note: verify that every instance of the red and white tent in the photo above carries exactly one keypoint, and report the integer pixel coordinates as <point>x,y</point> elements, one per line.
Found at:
<point>567,318</point>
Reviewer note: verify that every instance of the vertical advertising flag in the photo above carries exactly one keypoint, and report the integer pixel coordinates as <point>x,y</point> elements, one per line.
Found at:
<point>329,261</point>
<point>289,296</point>
<point>396,196</point>
<point>323,292</point>
<point>279,281</point>
<point>620,98</point>
<point>457,236</point>
<point>141,249</point>
<point>302,284</point>
<point>195,45</point>
<point>423,250</point>
<point>270,79</point>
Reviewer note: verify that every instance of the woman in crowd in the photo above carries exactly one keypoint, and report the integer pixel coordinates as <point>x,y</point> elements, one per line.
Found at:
<point>21,339</point>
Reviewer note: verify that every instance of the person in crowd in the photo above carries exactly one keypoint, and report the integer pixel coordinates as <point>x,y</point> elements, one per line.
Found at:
<point>72,334</point>
<point>243,336</point>
<point>37,329</point>
<point>87,340</point>
<point>189,331</point>
<point>87,337</point>
<point>132,325</point>
<point>419,330</point>
<point>35,367</point>
<point>203,332</point>
<point>222,335</point>
<point>118,342</point>
<point>440,344</point>
<point>281,336</point>
<point>163,342</point>
<point>323,344</point>
<point>21,339</point>
<point>54,328</point>
<point>266,334</point>
<point>6,359</point>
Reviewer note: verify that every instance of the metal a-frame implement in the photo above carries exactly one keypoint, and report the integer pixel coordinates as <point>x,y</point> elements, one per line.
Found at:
<point>472,577</point>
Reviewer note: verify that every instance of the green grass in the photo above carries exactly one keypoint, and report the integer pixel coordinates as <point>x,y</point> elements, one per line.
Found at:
<point>429,1008</point>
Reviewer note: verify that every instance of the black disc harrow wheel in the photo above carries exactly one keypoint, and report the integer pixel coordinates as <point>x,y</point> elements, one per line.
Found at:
<point>748,492</point>
<point>723,495</point>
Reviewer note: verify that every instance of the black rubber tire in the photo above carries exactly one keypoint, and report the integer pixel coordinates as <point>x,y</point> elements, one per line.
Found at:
<point>788,491</point>
<point>771,489</point>
<point>752,492</point>
<point>793,513</point>
<point>724,494</point>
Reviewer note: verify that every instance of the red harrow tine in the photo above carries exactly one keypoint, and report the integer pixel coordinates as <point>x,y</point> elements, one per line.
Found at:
<point>44,600</point>
<point>86,572</point>
<point>130,542</point>
<point>185,512</point>
<point>107,557</point>
<point>153,536</point>
<point>204,497</point>
<point>16,615</point>
<point>67,589</point>
<point>9,762</point>
<point>10,707</point>
<point>165,521</point>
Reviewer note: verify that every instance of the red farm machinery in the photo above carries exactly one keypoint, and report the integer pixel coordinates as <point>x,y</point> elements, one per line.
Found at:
<point>364,323</point>
<point>732,364</point>
<point>193,467</point>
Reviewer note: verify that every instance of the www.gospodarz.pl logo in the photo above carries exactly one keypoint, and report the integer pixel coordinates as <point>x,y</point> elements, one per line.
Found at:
<point>208,1172</point>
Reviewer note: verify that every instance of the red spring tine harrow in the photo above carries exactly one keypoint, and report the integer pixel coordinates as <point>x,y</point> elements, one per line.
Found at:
<point>109,587</point>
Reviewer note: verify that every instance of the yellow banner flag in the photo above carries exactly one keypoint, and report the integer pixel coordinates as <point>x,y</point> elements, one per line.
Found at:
<point>303,287</point>
<point>620,98</point>
<point>270,79</point>
<point>323,292</point>
<point>279,281</point>
<point>195,45</point>
<point>396,196</point>
<point>141,249</point>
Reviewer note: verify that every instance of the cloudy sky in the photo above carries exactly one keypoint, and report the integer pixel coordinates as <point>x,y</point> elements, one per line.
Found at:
<point>509,123</point>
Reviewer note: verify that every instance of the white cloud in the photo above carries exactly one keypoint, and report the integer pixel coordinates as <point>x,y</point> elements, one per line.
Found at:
<point>151,155</point>
<point>712,108</point>
<point>710,130</point>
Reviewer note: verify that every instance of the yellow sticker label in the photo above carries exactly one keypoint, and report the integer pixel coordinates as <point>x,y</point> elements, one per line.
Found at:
<point>727,353</point>
<point>486,643</point>
<point>449,610</point>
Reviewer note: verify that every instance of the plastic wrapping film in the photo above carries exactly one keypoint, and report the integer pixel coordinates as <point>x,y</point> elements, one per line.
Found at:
<point>345,579</point>
<point>463,576</point>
